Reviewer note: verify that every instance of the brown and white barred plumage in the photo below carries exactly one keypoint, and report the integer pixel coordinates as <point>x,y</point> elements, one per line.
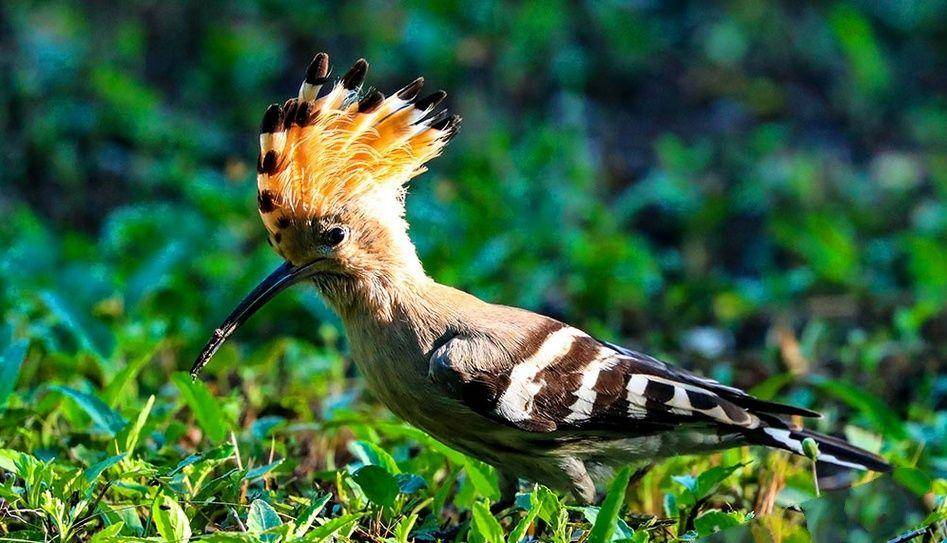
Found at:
<point>534,397</point>
<point>565,380</point>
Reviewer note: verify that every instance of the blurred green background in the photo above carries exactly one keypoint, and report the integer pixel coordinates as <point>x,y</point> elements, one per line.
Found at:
<point>754,189</point>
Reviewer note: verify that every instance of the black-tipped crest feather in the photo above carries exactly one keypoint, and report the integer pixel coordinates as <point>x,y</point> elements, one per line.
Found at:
<point>446,123</point>
<point>289,112</point>
<point>318,71</point>
<point>268,164</point>
<point>271,119</point>
<point>356,75</point>
<point>302,114</point>
<point>431,100</point>
<point>371,101</point>
<point>410,91</point>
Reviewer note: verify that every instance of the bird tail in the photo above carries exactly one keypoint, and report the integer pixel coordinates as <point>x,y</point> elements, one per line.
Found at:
<point>832,450</point>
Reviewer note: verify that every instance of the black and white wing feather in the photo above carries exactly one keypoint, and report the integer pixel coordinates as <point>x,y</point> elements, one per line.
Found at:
<point>565,380</point>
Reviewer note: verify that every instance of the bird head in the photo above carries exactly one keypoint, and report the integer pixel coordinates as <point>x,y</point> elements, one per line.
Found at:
<point>331,181</point>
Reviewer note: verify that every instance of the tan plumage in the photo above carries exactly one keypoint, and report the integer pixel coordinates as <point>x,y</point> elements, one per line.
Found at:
<point>532,396</point>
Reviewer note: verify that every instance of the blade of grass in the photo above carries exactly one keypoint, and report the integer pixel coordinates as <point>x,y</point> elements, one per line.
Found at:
<point>607,518</point>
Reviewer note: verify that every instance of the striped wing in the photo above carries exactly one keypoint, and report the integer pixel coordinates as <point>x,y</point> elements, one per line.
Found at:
<point>571,380</point>
<point>732,394</point>
<point>563,379</point>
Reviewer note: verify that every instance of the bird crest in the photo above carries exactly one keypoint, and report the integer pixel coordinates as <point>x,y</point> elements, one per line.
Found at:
<point>322,154</point>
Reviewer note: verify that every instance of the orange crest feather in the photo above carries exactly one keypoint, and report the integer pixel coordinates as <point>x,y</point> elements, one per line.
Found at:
<point>317,154</point>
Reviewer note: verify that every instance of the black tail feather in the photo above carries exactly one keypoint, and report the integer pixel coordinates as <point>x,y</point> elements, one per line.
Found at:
<point>832,450</point>
<point>764,406</point>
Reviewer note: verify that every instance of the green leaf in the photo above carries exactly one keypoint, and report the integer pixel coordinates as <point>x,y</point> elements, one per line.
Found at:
<point>671,510</point>
<point>206,410</point>
<point>704,484</point>
<point>939,515</point>
<point>608,514</point>
<point>215,455</point>
<point>102,415</point>
<point>369,453</point>
<point>170,520</point>
<point>403,530</point>
<point>152,274</point>
<point>18,463</point>
<point>622,532</point>
<point>864,439</point>
<point>379,486</point>
<point>95,470</point>
<point>115,390</point>
<point>714,521</point>
<point>91,334</point>
<point>880,415</point>
<point>444,490</point>
<point>256,473</point>
<point>261,518</point>
<point>126,516</point>
<point>550,508</point>
<point>687,480</point>
<point>484,527</point>
<point>519,531</point>
<point>10,363</point>
<point>131,439</point>
<point>939,487</point>
<point>108,533</point>
<point>423,438</point>
<point>913,479</point>
<point>409,483</point>
<point>230,537</point>
<point>827,242</point>
<point>308,515</point>
<point>483,479</point>
<point>342,523</point>
<point>769,388</point>
<point>865,57</point>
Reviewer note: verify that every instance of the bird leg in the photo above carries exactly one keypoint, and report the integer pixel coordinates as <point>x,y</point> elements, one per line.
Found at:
<point>582,486</point>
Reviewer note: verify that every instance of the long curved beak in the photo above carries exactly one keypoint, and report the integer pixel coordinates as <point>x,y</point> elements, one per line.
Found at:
<point>282,277</point>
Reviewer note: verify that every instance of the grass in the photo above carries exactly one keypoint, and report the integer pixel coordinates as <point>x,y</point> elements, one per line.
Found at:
<point>759,194</point>
<point>103,436</point>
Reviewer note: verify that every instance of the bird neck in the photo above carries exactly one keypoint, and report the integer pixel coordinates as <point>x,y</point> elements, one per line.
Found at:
<point>377,296</point>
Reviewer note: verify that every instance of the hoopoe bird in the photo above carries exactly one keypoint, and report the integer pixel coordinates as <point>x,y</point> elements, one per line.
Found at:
<point>534,397</point>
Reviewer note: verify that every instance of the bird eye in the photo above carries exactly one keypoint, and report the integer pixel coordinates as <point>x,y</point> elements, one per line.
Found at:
<point>335,235</point>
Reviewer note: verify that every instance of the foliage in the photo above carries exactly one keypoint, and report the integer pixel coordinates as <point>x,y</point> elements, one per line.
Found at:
<point>756,190</point>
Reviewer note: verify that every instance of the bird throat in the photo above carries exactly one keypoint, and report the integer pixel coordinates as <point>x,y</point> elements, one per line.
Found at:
<point>374,297</point>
